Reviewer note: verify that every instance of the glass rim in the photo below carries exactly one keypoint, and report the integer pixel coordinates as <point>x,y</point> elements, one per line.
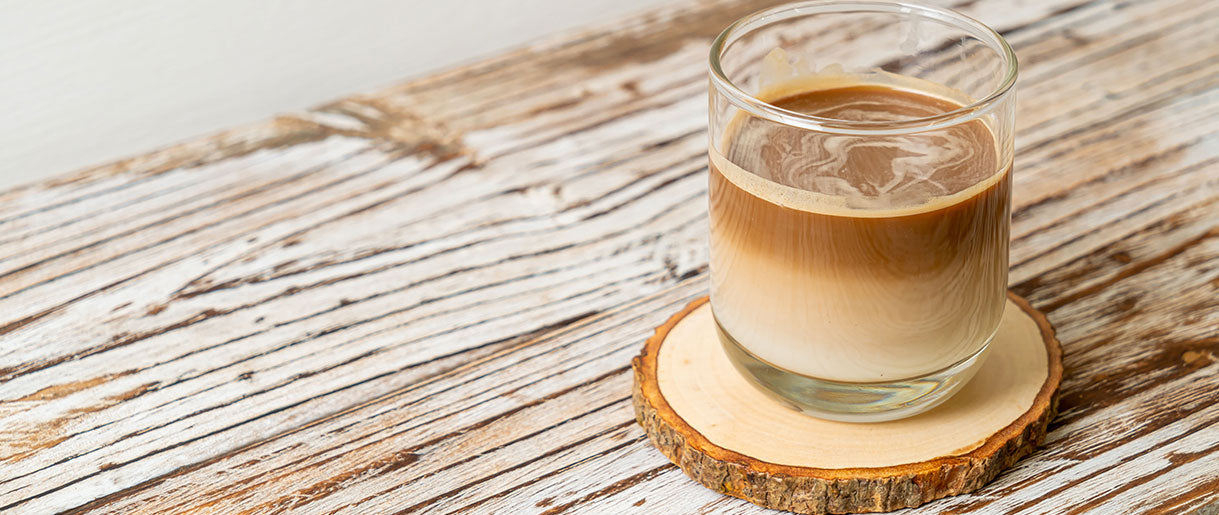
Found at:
<point>768,111</point>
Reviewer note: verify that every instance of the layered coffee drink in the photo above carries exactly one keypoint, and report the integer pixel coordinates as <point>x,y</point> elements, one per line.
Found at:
<point>860,197</point>
<point>858,260</point>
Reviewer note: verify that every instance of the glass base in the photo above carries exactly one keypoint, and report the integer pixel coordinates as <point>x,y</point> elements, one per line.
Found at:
<point>852,402</point>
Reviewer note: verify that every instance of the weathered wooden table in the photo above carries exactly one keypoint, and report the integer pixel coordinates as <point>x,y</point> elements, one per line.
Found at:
<point>426,298</point>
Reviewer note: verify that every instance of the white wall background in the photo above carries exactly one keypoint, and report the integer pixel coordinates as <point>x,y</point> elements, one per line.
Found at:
<point>88,81</point>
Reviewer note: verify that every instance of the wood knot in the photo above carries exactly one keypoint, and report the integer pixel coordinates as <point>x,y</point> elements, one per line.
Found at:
<point>394,126</point>
<point>1197,359</point>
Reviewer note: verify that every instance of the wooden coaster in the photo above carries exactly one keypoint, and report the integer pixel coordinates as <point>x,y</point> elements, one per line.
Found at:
<point>730,437</point>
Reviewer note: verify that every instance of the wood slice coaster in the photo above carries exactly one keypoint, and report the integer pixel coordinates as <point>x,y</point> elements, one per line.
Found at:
<point>730,437</point>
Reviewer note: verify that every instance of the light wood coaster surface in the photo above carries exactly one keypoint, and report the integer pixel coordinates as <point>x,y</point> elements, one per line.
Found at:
<point>426,298</point>
<point>732,438</point>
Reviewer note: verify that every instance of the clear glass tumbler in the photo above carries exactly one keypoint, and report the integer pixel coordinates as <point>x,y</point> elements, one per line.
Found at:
<point>860,192</point>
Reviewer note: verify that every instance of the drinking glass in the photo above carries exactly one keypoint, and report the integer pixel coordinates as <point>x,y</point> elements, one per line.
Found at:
<point>859,263</point>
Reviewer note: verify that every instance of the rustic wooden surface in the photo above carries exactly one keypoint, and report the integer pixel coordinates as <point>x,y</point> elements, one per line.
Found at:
<point>730,437</point>
<point>427,298</point>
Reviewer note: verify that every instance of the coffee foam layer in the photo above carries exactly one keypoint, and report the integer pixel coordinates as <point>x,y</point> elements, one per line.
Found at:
<point>879,175</point>
<point>837,205</point>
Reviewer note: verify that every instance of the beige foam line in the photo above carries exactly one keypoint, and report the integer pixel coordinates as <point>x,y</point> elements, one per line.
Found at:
<point>834,205</point>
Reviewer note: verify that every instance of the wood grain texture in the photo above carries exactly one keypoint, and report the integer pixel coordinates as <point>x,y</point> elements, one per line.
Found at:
<point>426,298</point>
<point>731,438</point>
